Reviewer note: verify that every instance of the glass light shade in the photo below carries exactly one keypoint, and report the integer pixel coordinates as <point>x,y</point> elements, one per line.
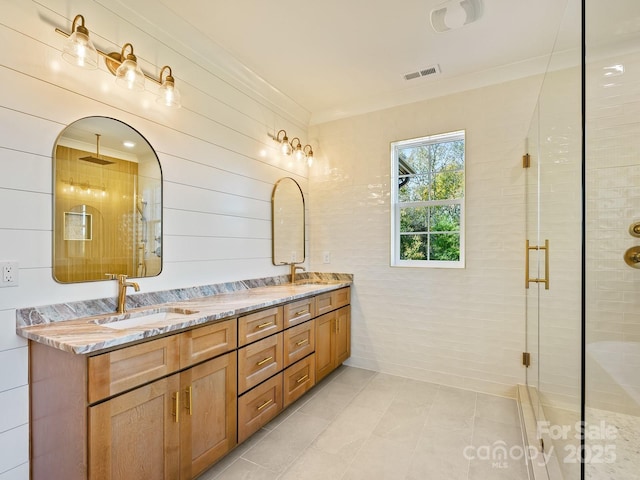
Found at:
<point>79,50</point>
<point>286,146</point>
<point>129,75</point>
<point>169,95</point>
<point>298,153</point>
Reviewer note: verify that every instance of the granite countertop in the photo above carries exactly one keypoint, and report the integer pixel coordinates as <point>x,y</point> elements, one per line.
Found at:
<point>88,334</point>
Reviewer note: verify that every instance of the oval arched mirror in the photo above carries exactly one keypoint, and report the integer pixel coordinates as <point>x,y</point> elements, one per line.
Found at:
<point>287,221</point>
<point>107,202</point>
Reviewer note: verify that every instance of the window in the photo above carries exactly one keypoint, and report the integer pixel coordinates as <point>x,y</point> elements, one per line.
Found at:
<point>427,214</point>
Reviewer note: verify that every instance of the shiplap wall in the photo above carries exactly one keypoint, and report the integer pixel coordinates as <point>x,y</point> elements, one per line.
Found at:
<point>218,163</point>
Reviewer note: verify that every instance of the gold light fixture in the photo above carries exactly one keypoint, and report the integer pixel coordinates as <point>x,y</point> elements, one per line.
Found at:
<point>285,146</point>
<point>298,154</point>
<point>169,94</point>
<point>308,154</point>
<point>124,64</point>
<point>293,147</point>
<point>78,49</point>
<point>128,73</point>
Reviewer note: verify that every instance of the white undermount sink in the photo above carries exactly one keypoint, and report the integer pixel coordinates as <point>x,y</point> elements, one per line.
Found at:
<point>144,317</point>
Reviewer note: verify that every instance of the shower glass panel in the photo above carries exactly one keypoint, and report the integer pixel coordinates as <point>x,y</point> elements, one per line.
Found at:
<point>612,157</point>
<point>554,232</point>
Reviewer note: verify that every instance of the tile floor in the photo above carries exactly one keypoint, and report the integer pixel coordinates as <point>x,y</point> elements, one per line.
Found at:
<point>359,424</point>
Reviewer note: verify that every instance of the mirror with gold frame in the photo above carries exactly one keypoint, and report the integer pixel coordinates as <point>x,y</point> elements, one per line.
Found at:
<point>107,202</point>
<point>287,222</point>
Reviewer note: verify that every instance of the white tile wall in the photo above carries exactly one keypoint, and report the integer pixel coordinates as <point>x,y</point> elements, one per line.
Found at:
<point>463,328</point>
<point>218,163</point>
<point>613,203</point>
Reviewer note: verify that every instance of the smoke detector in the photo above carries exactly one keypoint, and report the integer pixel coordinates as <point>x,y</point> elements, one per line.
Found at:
<point>455,14</point>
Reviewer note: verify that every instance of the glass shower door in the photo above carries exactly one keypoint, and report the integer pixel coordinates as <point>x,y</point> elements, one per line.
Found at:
<point>554,234</point>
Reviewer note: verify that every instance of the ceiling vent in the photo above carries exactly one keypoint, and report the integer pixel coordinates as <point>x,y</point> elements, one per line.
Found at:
<point>423,72</point>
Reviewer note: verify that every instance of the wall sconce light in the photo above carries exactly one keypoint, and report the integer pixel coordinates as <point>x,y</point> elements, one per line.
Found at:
<point>169,94</point>
<point>293,147</point>
<point>79,49</point>
<point>285,146</point>
<point>308,154</point>
<point>124,65</point>
<point>298,154</point>
<point>126,69</point>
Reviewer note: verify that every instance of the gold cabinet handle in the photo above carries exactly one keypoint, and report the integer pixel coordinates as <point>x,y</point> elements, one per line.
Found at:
<point>268,402</point>
<point>302,379</point>
<point>262,362</point>
<point>188,393</point>
<point>302,342</point>
<point>176,406</point>
<point>527,278</point>
<point>301,312</point>
<point>337,325</point>
<point>264,325</point>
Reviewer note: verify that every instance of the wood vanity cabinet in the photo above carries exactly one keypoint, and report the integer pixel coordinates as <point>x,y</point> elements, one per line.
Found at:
<point>143,411</point>
<point>333,341</point>
<point>170,407</point>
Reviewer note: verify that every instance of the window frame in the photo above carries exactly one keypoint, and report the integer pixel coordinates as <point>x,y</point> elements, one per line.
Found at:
<point>396,205</point>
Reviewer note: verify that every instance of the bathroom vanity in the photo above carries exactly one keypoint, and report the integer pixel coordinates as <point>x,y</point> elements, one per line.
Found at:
<point>167,390</point>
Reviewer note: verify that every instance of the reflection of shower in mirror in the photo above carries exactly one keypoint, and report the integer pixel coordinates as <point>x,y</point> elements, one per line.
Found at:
<point>141,254</point>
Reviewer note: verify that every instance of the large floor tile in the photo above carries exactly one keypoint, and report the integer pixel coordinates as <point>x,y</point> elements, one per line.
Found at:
<point>280,447</point>
<point>357,424</point>
<point>380,459</point>
<point>315,464</point>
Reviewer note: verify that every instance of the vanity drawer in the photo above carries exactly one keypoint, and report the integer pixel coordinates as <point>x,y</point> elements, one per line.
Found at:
<point>258,361</point>
<point>298,312</point>
<point>299,341</point>
<point>207,342</point>
<point>298,379</point>
<point>329,301</point>
<point>257,407</point>
<point>259,325</point>
<point>123,369</point>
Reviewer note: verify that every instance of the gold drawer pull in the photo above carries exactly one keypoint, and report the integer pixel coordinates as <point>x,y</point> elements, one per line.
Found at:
<point>302,342</point>
<point>268,402</point>
<point>176,406</point>
<point>188,393</point>
<point>302,379</point>
<point>264,325</point>
<point>262,362</point>
<point>301,312</point>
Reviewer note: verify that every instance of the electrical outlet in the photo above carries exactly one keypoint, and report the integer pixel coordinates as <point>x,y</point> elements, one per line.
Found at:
<point>326,257</point>
<point>9,274</point>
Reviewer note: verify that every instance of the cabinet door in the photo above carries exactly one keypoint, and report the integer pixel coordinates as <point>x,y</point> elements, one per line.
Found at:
<point>136,434</point>
<point>343,335</point>
<point>208,418</point>
<point>325,340</point>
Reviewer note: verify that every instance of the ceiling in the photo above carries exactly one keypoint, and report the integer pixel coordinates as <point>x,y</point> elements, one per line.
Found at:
<point>335,58</point>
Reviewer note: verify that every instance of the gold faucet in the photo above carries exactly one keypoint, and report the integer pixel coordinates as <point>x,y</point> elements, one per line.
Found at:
<point>122,292</point>
<point>293,272</point>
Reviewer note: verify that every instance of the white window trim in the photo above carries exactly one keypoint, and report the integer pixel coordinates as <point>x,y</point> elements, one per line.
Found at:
<point>395,205</point>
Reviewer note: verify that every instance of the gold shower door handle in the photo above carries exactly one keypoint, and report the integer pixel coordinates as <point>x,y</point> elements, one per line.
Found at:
<point>527,278</point>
